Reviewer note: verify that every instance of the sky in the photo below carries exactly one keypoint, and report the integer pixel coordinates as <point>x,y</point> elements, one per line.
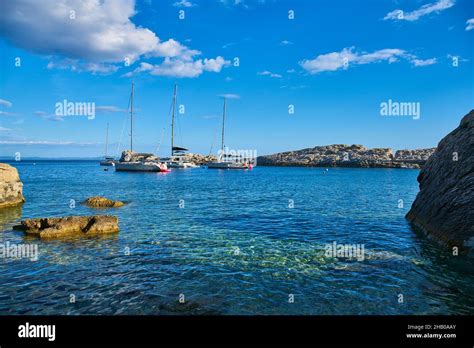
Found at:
<point>296,74</point>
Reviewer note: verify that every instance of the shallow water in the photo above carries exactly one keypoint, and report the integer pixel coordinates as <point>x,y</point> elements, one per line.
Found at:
<point>235,247</point>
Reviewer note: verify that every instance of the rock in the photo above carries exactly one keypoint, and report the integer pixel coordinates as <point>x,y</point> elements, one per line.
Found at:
<point>199,159</point>
<point>11,188</point>
<point>444,207</point>
<point>69,225</point>
<point>102,202</point>
<point>348,156</point>
<point>131,156</point>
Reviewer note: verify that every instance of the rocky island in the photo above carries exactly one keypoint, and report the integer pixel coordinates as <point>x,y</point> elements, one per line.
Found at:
<point>444,207</point>
<point>11,188</point>
<point>348,156</point>
<point>85,226</point>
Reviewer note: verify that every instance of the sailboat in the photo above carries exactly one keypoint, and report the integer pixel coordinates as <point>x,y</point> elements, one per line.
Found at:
<point>177,159</point>
<point>142,165</point>
<point>225,160</point>
<point>107,161</point>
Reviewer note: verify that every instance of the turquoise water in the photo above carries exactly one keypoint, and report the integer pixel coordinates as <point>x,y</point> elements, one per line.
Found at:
<point>234,247</point>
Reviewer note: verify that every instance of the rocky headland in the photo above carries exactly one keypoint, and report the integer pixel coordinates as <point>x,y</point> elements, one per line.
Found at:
<point>11,188</point>
<point>85,226</point>
<point>444,207</point>
<point>348,156</point>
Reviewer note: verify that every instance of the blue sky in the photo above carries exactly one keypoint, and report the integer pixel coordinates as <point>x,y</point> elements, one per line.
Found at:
<point>282,61</point>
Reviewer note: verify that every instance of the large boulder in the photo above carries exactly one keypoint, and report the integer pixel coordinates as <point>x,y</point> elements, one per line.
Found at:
<point>444,207</point>
<point>70,225</point>
<point>11,188</point>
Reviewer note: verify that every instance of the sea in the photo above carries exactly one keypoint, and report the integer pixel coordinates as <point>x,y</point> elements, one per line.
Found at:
<point>236,242</point>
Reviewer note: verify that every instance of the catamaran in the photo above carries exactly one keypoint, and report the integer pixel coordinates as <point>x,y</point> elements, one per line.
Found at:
<point>107,161</point>
<point>143,165</point>
<point>178,154</point>
<point>226,160</point>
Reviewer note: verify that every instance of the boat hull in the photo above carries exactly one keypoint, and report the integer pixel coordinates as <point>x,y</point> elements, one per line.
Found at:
<point>225,165</point>
<point>139,167</point>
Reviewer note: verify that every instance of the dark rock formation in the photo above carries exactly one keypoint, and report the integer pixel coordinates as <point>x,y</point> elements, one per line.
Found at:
<point>70,225</point>
<point>102,202</point>
<point>11,188</point>
<point>444,207</point>
<point>347,156</point>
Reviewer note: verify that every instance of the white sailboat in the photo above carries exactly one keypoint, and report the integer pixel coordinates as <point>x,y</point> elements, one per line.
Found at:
<point>107,161</point>
<point>138,166</point>
<point>178,154</point>
<point>227,161</point>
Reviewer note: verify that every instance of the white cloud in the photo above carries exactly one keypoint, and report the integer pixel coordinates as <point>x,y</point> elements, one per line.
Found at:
<point>3,129</point>
<point>109,108</point>
<point>435,7</point>
<point>286,42</point>
<point>184,3</point>
<point>470,24</point>
<point>88,35</point>
<point>269,73</point>
<point>6,103</point>
<point>182,68</point>
<point>48,117</point>
<point>344,59</point>
<point>229,96</point>
<point>421,62</point>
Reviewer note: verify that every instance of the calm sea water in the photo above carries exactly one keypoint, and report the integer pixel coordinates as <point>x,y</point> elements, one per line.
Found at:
<point>235,247</point>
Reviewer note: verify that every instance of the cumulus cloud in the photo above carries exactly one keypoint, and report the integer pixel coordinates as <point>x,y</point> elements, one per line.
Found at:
<point>435,7</point>
<point>470,24</point>
<point>87,35</point>
<point>181,67</point>
<point>348,57</point>
<point>269,73</point>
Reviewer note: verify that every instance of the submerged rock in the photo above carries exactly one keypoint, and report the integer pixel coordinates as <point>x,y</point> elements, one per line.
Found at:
<point>11,188</point>
<point>444,207</point>
<point>348,156</point>
<point>102,202</point>
<point>69,225</point>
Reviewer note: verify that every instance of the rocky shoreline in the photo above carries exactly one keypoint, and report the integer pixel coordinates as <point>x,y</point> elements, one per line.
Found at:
<point>355,156</point>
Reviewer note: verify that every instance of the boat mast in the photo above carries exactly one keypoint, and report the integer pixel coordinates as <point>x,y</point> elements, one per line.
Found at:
<point>223,123</point>
<point>172,119</point>
<point>106,139</point>
<point>131,120</point>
